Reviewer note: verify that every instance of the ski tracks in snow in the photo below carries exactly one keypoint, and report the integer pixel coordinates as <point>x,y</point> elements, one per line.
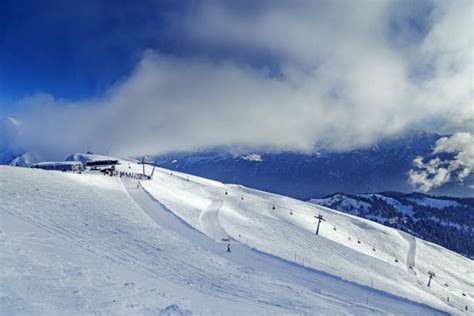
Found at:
<point>322,285</point>
<point>411,253</point>
<point>209,220</point>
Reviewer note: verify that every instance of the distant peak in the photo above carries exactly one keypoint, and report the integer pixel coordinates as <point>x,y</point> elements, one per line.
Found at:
<point>252,157</point>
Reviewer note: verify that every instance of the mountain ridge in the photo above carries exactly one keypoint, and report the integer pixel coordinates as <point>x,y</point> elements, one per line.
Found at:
<point>444,220</point>
<point>382,167</point>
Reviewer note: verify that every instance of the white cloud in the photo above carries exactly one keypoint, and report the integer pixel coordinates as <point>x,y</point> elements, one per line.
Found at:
<point>342,84</point>
<point>436,172</point>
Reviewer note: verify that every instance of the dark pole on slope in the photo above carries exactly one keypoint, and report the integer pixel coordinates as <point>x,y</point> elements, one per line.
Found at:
<point>319,218</point>
<point>431,275</point>
<point>153,170</point>
<point>143,165</point>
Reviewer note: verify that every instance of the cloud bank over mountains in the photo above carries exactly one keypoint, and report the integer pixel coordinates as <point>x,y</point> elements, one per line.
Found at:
<point>436,172</point>
<point>317,74</point>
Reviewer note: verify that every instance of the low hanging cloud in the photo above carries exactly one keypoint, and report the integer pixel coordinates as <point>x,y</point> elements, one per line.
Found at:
<point>436,172</point>
<point>336,80</point>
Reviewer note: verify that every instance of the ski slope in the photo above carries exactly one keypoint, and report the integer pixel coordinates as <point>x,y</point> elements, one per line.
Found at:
<point>385,258</point>
<point>87,243</point>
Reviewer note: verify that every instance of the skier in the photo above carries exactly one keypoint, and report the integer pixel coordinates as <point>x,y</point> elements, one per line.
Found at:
<point>228,248</point>
<point>138,184</point>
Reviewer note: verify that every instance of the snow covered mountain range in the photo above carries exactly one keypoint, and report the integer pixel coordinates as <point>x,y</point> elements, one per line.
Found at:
<point>383,167</point>
<point>88,243</point>
<point>379,168</point>
<point>446,221</point>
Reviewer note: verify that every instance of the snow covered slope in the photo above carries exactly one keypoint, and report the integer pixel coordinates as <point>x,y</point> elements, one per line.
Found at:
<point>89,243</point>
<point>446,221</point>
<point>386,258</point>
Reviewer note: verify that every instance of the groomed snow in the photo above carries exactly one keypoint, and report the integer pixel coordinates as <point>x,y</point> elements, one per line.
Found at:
<point>248,217</point>
<point>75,244</point>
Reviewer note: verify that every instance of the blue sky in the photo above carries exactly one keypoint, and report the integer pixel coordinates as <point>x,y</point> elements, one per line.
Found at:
<point>280,75</point>
<point>77,49</point>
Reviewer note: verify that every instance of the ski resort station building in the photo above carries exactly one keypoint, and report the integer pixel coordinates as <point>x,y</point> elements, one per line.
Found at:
<point>100,164</point>
<point>105,166</point>
<point>60,166</point>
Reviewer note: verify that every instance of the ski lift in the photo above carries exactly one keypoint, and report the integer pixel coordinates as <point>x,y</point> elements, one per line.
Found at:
<point>320,219</point>
<point>431,275</point>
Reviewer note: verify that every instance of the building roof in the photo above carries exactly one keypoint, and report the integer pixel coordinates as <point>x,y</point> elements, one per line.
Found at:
<point>57,163</point>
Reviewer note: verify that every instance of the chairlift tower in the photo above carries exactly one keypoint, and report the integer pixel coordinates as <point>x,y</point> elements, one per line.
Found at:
<point>431,276</point>
<point>153,170</point>
<point>320,219</point>
<point>143,168</point>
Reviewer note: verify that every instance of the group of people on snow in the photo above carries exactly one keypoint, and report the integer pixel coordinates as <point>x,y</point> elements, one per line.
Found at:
<point>133,175</point>
<point>121,174</point>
